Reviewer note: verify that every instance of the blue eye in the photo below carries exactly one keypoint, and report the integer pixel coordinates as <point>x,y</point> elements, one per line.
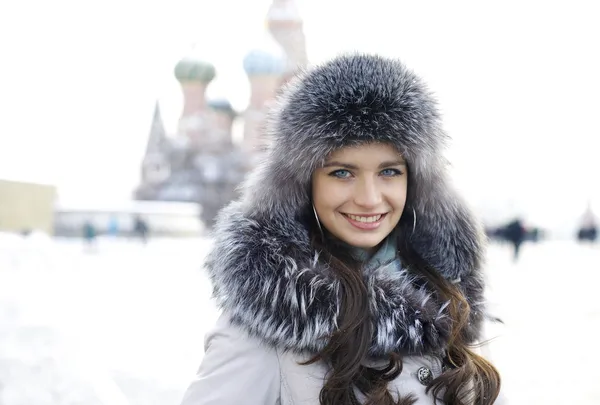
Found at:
<point>390,172</point>
<point>341,174</point>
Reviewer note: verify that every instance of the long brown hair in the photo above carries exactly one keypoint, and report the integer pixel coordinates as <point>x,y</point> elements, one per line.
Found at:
<point>470,379</point>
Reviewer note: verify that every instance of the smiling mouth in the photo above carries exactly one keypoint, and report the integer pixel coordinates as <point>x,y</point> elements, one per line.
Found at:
<point>365,222</point>
<point>365,218</point>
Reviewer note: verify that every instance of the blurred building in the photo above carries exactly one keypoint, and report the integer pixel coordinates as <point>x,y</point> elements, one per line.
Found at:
<point>26,207</point>
<point>201,163</point>
<point>164,219</point>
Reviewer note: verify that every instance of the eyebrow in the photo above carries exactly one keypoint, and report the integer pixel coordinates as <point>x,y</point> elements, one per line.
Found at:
<point>350,166</point>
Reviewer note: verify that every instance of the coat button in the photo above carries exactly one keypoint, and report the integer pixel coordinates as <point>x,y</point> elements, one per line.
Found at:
<point>424,375</point>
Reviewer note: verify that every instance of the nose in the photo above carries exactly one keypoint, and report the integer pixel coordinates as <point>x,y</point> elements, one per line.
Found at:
<point>367,194</point>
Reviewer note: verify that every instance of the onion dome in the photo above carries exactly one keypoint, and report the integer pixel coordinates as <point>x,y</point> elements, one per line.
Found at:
<point>262,62</point>
<point>266,58</point>
<point>193,69</point>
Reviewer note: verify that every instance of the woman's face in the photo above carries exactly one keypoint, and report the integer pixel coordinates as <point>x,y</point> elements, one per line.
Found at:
<point>360,192</point>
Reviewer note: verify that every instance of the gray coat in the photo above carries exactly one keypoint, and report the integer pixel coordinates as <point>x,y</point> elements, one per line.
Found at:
<point>239,369</point>
<point>279,298</point>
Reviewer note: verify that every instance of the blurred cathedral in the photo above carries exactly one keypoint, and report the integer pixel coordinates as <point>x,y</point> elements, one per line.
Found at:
<point>201,163</point>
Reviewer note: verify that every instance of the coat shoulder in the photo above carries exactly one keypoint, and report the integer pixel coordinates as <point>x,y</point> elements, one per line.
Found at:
<point>235,367</point>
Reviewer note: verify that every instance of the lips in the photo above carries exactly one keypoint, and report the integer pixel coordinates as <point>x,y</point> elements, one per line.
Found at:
<point>365,222</point>
<point>362,218</point>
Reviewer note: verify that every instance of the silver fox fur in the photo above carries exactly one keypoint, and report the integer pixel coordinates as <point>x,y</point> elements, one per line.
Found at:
<point>265,274</point>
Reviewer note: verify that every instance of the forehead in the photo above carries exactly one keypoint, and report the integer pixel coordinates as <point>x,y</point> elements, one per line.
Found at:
<point>369,152</point>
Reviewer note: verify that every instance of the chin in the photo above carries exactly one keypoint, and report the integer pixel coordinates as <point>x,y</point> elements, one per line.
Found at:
<point>365,242</point>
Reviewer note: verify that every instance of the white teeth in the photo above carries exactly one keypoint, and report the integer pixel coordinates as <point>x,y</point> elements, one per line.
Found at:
<point>374,218</point>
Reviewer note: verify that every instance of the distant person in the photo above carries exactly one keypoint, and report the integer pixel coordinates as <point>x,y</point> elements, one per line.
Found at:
<point>588,229</point>
<point>140,228</point>
<point>90,233</point>
<point>516,233</point>
<point>113,226</point>
<point>587,234</point>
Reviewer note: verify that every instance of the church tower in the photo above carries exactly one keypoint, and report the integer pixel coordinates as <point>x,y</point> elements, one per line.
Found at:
<point>286,26</point>
<point>264,67</point>
<point>194,75</point>
<point>156,167</point>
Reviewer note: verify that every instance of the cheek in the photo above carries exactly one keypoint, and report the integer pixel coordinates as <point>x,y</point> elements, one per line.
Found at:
<point>400,200</point>
<point>397,196</point>
<point>323,195</point>
<point>330,199</point>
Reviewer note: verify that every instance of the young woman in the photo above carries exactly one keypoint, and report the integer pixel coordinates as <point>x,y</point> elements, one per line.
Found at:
<point>349,272</point>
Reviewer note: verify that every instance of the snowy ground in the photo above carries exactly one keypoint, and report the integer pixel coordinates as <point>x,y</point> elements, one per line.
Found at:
<point>125,324</point>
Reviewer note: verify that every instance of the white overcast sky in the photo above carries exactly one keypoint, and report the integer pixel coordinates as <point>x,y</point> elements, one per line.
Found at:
<point>518,83</point>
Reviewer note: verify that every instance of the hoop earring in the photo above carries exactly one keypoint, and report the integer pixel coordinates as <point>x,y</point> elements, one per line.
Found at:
<point>318,222</point>
<point>414,220</point>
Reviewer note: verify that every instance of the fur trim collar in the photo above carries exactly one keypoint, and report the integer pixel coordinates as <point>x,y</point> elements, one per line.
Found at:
<point>267,278</point>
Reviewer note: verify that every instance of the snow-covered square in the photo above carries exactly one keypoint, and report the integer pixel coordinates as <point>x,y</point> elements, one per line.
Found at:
<point>124,323</point>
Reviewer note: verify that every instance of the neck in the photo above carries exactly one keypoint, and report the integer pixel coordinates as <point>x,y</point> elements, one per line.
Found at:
<point>382,252</point>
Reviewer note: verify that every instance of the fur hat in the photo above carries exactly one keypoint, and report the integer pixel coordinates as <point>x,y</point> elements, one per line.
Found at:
<point>262,250</point>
